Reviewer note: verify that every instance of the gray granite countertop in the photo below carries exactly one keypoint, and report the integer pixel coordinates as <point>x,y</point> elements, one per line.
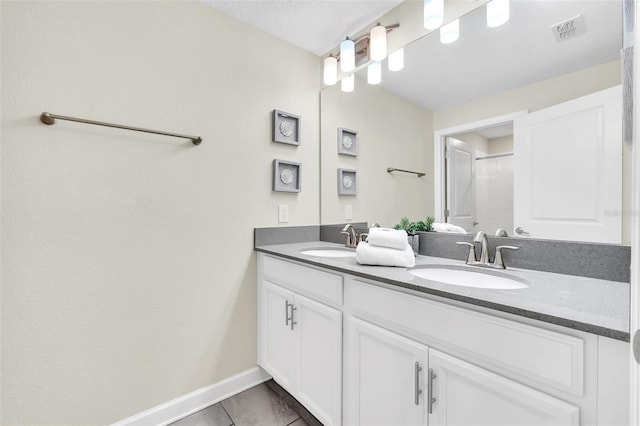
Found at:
<point>587,304</point>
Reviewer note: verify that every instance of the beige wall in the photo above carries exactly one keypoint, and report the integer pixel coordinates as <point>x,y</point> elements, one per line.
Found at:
<point>128,273</point>
<point>501,145</point>
<point>532,97</point>
<point>392,133</point>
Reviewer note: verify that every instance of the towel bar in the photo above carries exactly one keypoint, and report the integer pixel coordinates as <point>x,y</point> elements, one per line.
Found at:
<point>48,118</point>
<point>392,169</point>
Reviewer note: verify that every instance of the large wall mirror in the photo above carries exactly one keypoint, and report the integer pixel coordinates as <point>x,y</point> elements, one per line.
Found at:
<point>518,129</point>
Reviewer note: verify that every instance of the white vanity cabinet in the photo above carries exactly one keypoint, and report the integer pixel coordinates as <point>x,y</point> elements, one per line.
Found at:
<point>383,377</point>
<point>300,339</point>
<point>404,358</point>
<point>465,394</point>
<point>392,380</point>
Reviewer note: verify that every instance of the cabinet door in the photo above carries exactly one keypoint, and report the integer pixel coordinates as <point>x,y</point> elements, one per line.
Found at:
<point>319,356</point>
<point>468,395</point>
<point>277,340</point>
<point>383,377</point>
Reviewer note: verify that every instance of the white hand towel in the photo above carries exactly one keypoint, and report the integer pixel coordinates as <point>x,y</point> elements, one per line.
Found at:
<point>448,228</point>
<point>366,254</point>
<point>385,237</point>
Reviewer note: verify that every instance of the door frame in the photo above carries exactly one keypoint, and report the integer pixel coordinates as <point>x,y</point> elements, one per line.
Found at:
<point>439,140</point>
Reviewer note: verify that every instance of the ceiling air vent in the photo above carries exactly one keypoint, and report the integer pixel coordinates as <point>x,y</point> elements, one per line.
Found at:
<point>568,28</point>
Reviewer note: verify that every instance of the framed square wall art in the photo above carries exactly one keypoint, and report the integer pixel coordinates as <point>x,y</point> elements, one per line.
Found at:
<point>347,182</point>
<point>286,128</point>
<point>347,142</point>
<point>286,176</point>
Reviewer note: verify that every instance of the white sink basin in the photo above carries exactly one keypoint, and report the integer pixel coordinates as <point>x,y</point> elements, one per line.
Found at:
<point>330,252</point>
<point>468,278</point>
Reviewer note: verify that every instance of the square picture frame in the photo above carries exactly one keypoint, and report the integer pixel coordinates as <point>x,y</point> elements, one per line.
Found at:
<point>286,128</point>
<point>286,176</point>
<point>348,142</point>
<point>347,182</point>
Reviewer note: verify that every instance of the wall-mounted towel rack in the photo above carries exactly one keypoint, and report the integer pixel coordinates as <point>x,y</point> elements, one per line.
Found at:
<point>392,169</point>
<point>48,118</point>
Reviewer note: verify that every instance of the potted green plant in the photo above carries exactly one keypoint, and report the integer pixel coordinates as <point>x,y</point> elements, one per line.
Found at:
<point>412,228</point>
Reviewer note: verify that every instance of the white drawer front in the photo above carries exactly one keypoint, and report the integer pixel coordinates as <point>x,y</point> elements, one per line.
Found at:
<point>536,354</point>
<point>318,285</point>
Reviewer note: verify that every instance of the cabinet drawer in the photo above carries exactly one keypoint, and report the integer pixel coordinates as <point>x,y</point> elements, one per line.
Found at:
<point>529,352</point>
<point>318,285</point>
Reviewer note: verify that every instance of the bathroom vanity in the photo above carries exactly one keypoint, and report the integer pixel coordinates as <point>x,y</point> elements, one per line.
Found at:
<point>364,345</point>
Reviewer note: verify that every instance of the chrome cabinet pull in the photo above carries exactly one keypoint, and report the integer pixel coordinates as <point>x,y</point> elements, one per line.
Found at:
<point>292,321</point>
<point>430,396</point>
<point>521,231</point>
<point>288,318</point>
<point>418,391</point>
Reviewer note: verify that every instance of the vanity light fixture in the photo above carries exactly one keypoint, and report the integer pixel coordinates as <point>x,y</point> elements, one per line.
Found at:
<point>395,61</point>
<point>359,52</point>
<point>450,32</point>
<point>330,70</point>
<point>378,43</point>
<point>347,55</point>
<point>433,14</point>
<point>374,72</point>
<point>347,84</point>
<point>497,12</point>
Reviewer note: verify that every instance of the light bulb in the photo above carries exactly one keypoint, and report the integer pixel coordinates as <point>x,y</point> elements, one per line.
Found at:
<point>450,32</point>
<point>374,73</point>
<point>378,43</point>
<point>497,12</point>
<point>433,14</point>
<point>396,60</point>
<point>347,56</point>
<point>347,83</point>
<point>330,70</point>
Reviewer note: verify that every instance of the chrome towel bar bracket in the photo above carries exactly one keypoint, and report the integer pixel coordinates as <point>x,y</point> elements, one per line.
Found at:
<point>48,118</point>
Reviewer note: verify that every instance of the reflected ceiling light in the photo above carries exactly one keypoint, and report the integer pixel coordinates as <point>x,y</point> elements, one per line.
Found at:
<point>450,32</point>
<point>330,70</point>
<point>433,14</point>
<point>497,12</point>
<point>347,55</point>
<point>347,83</point>
<point>396,60</point>
<point>378,43</point>
<point>374,72</point>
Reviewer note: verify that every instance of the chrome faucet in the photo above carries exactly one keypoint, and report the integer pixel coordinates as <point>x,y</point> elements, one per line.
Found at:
<point>472,259</point>
<point>350,231</point>
<point>481,238</point>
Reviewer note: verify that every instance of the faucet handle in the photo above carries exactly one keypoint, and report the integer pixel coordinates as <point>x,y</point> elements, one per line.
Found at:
<point>471,258</point>
<point>362,237</point>
<point>498,262</point>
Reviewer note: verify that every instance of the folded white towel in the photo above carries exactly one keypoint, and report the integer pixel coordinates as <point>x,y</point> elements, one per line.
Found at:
<point>448,227</point>
<point>366,254</point>
<point>386,237</point>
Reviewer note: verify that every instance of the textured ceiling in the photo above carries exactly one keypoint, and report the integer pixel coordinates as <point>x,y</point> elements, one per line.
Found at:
<point>316,26</point>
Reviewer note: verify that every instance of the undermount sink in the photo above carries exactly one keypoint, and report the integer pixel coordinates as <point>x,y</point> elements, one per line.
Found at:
<point>329,252</point>
<point>462,276</point>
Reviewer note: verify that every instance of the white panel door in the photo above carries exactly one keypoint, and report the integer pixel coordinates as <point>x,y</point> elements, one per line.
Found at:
<point>468,395</point>
<point>384,377</point>
<point>277,351</point>
<point>461,183</point>
<point>568,170</point>
<point>319,346</point>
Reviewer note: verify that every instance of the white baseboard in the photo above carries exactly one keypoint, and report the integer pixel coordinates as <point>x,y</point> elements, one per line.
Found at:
<point>197,400</point>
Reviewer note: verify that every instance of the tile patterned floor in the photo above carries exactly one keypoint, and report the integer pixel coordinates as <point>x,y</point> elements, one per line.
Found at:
<point>266,405</point>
